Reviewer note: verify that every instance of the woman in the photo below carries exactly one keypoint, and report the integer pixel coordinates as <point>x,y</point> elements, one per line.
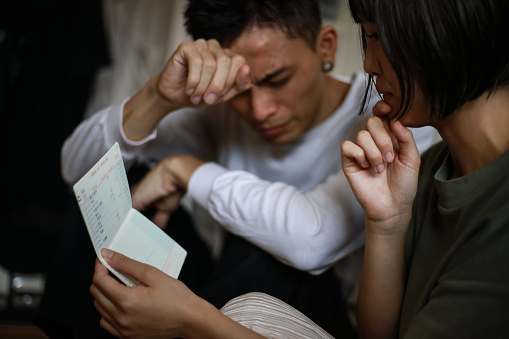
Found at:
<point>437,232</point>
<point>436,258</point>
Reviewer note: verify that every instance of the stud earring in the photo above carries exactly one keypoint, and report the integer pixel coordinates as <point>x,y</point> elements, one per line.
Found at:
<point>327,66</point>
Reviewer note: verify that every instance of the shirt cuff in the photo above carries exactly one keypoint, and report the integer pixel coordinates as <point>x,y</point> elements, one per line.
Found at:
<point>126,144</point>
<point>201,182</point>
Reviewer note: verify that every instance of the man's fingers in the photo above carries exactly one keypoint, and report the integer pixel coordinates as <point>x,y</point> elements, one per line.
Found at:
<point>239,73</point>
<point>207,61</point>
<point>223,68</point>
<point>194,60</point>
<point>161,219</point>
<point>243,80</point>
<point>213,72</point>
<point>242,83</point>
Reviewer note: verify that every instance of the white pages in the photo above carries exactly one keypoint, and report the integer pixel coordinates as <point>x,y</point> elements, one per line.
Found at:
<point>105,202</point>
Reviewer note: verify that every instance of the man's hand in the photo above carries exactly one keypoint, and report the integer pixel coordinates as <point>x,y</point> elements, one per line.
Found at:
<point>163,187</point>
<point>199,72</point>
<point>203,71</point>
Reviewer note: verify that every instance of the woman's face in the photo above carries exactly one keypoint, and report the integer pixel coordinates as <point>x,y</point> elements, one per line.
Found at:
<point>387,84</point>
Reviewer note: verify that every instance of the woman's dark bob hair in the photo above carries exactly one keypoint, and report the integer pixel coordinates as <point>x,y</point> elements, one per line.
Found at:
<point>455,50</point>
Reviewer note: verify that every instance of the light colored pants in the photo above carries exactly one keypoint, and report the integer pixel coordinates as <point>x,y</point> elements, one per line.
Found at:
<point>271,317</point>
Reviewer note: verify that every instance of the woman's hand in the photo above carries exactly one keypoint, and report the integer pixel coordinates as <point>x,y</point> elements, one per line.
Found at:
<point>158,307</point>
<point>383,174</point>
<point>382,167</point>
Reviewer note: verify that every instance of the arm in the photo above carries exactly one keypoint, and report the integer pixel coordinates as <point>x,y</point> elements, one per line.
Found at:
<point>325,224</point>
<point>187,80</point>
<point>384,180</point>
<point>159,307</point>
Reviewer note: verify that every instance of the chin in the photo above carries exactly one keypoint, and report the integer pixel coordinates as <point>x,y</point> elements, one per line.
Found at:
<point>283,139</point>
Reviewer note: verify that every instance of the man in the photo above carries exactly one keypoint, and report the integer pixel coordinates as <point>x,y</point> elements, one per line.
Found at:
<point>260,122</point>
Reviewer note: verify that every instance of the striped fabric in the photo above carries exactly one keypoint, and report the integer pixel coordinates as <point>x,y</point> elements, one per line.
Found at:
<point>271,317</point>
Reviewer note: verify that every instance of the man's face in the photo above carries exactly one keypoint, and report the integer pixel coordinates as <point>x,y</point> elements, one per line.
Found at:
<point>288,84</point>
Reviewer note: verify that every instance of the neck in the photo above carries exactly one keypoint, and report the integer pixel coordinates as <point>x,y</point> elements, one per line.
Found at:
<point>477,133</point>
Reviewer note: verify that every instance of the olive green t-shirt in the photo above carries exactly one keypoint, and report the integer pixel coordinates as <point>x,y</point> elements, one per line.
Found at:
<point>457,252</point>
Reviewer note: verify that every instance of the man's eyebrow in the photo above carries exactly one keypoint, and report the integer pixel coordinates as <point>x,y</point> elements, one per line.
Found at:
<point>270,76</point>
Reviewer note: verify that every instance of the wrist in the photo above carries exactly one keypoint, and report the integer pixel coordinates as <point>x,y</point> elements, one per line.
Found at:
<point>181,168</point>
<point>194,323</point>
<point>144,111</point>
<point>394,225</point>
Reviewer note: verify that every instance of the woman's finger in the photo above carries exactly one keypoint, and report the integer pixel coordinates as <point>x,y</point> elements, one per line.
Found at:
<point>353,155</point>
<point>373,154</point>
<point>380,132</point>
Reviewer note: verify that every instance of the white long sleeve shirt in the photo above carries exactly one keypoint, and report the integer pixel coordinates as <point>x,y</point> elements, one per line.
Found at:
<point>291,200</point>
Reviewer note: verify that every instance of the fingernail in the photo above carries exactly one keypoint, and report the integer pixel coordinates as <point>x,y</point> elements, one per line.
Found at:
<point>106,253</point>
<point>380,169</point>
<point>211,98</point>
<point>190,91</point>
<point>388,157</point>
<point>365,164</point>
<point>196,100</point>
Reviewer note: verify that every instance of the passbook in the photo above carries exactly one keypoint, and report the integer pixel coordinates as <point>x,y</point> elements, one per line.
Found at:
<point>105,202</point>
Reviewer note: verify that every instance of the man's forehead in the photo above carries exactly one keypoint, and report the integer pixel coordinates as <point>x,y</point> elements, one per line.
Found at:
<point>260,79</point>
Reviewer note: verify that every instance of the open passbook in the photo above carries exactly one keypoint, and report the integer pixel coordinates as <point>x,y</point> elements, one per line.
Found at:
<point>105,202</point>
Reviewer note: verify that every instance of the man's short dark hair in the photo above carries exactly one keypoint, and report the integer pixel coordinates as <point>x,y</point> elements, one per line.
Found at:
<point>225,20</point>
<point>455,50</point>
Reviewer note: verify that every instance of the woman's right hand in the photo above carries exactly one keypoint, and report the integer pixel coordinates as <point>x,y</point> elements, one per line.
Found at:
<point>383,173</point>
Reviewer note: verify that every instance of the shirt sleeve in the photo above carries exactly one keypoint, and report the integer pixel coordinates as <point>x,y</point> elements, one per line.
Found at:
<point>307,230</point>
<point>92,138</point>
<point>181,132</point>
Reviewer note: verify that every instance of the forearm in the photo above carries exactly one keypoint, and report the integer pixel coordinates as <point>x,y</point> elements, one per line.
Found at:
<point>180,168</point>
<point>144,111</point>
<point>326,223</point>
<point>381,285</point>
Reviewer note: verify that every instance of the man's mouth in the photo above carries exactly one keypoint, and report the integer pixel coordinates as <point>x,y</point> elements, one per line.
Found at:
<point>274,131</point>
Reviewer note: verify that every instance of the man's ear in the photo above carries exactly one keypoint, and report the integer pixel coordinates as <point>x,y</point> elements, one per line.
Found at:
<point>327,44</point>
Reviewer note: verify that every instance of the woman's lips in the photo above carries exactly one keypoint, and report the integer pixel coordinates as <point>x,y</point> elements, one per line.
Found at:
<point>387,96</point>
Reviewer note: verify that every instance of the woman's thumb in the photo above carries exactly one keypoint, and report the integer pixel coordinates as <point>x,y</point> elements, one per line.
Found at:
<point>125,265</point>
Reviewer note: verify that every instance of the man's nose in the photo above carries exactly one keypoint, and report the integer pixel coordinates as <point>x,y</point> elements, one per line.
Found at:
<point>263,104</point>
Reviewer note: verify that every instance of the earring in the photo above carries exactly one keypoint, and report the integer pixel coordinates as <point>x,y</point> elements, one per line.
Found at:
<point>327,66</point>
